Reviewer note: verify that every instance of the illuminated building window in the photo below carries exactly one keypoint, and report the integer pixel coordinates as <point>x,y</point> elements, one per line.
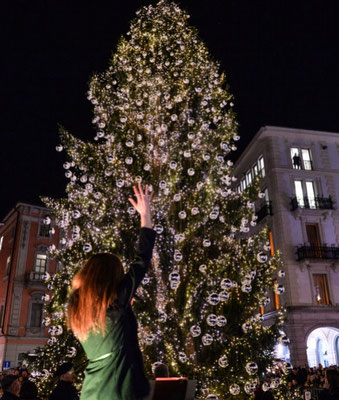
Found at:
<point>305,193</point>
<point>261,166</point>
<point>257,169</point>
<point>40,266</point>
<point>301,158</point>
<point>321,289</point>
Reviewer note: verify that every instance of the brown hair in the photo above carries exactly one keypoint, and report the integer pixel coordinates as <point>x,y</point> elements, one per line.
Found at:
<point>94,288</point>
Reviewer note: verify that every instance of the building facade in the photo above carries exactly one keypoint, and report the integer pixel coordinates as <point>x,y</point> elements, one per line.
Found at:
<point>24,240</point>
<point>299,172</point>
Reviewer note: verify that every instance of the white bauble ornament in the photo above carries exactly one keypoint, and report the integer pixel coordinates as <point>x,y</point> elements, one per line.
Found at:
<point>262,257</point>
<point>211,319</point>
<point>162,317</point>
<point>202,268</point>
<point>149,339</point>
<point>250,387</point>
<point>195,330</point>
<point>234,389</point>
<point>221,320</point>
<point>214,214</point>
<point>47,220</point>
<point>159,229</point>
<point>177,197</point>
<point>251,368</point>
<point>87,248</point>
<point>266,386</point>
<point>213,299</point>
<point>174,277</point>
<point>223,296</point>
<point>212,397</point>
<point>182,214</point>
<point>131,210</point>
<point>223,361</point>
<point>207,339</point>
<point>226,284</point>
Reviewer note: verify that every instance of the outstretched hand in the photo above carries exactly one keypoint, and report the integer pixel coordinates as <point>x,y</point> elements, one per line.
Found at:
<point>142,204</point>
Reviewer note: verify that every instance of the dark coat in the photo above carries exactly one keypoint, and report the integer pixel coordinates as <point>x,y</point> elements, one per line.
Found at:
<point>116,368</point>
<point>327,394</point>
<point>9,396</point>
<point>64,391</point>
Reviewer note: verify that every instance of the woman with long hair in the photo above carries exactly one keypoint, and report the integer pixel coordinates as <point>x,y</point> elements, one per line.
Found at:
<point>101,317</point>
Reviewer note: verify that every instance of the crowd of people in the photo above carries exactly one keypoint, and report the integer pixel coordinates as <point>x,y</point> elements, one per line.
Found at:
<point>316,383</point>
<point>321,383</point>
<point>16,384</point>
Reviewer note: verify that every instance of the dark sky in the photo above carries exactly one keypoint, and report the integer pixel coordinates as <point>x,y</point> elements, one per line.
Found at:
<point>281,59</point>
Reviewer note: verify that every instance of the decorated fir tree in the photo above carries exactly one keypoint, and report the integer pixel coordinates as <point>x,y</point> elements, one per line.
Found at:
<point>163,116</point>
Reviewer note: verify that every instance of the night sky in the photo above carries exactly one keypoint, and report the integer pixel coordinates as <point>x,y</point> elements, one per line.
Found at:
<point>281,59</point>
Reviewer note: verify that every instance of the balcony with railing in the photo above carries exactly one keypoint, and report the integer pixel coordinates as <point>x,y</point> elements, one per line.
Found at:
<point>306,165</point>
<point>313,203</point>
<point>265,210</point>
<point>317,252</point>
<point>34,276</point>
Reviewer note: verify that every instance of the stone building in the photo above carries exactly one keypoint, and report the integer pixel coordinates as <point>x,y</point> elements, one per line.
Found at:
<point>24,240</point>
<point>300,181</point>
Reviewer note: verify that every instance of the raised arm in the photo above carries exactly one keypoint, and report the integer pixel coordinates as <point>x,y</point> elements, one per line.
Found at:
<point>142,205</point>
<point>145,246</point>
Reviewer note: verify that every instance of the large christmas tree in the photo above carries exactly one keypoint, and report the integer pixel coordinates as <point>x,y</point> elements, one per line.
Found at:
<point>163,116</point>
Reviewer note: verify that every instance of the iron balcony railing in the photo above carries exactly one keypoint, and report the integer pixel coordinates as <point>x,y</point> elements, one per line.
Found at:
<point>321,203</point>
<point>312,251</point>
<point>303,164</point>
<point>35,276</point>
<point>265,210</point>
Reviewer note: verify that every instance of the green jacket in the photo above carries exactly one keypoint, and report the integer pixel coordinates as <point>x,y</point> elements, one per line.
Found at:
<point>115,370</point>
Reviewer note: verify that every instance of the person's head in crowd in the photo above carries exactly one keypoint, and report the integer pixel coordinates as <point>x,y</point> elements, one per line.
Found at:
<point>65,372</point>
<point>24,374</point>
<point>161,371</point>
<point>11,384</point>
<point>28,390</point>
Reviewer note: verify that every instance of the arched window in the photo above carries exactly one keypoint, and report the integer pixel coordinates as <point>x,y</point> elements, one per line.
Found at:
<point>337,349</point>
<point>322,346</point>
